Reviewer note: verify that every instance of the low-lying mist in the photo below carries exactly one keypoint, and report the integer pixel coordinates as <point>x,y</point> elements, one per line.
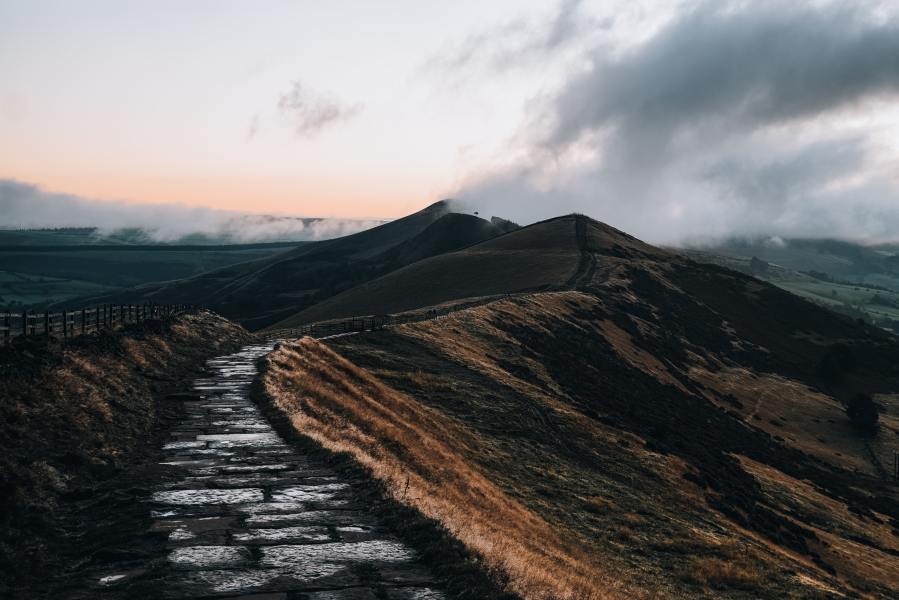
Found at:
<point>25,206</point>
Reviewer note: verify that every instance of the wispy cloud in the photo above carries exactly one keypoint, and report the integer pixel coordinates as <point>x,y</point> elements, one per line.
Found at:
<point>24,205</point>
<point>309,112</point>
<point>513,45</point>
<point>253,128</point>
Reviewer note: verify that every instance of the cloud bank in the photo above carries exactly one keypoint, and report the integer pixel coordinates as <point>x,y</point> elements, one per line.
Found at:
<point>733,118</point>
<point>25,206</point>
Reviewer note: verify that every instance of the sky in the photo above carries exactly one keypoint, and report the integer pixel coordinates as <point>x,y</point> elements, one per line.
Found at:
<point>676,120</point>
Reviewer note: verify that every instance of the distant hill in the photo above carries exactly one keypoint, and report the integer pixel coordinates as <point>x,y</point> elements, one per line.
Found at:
<point>841,260</point>
<point>258,293</point>
<point>551,254</point>
<point>858,281</point>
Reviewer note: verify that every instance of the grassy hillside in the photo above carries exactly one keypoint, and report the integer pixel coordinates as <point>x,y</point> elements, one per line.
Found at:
<point>844,261</point>
<point>671,430</point>
<point>541,256</point>
<point>262,292</point>
<point>870,302</point>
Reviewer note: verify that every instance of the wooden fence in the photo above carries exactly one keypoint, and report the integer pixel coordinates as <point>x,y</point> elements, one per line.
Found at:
<point>374,322</point>
<point>67,324</point>
<point>319,330</point>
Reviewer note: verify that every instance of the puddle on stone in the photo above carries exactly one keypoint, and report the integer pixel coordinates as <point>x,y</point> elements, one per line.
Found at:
<point>209,557</point>
<point>239,437</point>
<point>283,535</point>
<point>415,594</point>
<point>254,468</point>
<point>191,497</point>
<point>111,579</point>
<point>272,507</point>
<point>183,445</point>
<point>381,551</point>
<point>312,516</point>
<point>309,493</point>
<point>181,534</point>
<point>256,580</point>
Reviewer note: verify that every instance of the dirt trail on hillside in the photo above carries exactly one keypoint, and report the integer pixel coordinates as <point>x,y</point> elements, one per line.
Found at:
<point>250,515</point>
<point>586,266</point>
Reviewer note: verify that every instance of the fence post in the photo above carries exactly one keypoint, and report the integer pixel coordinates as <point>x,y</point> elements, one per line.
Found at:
<point>7,321</point>
<point>47,323</point>
<point>65,326</point>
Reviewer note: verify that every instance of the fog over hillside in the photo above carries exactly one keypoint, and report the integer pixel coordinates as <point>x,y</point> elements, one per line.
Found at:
<point>727,118</point>
<point>25,206</point>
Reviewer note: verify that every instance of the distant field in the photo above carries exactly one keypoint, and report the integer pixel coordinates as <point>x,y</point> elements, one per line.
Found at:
<point>45,274</point>
<point>880,306</point>
<point>23,289</point>
<point>842,261</point>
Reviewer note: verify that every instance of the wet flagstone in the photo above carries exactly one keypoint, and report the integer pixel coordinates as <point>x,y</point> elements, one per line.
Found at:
<point>252,519</point>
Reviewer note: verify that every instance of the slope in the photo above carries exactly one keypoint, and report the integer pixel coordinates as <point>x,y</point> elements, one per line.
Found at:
<point>552,254</point>
<point>261,291</point>
<point>672,429</point>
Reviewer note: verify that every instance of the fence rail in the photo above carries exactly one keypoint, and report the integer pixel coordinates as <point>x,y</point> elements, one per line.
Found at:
<point>374,322</point>
<point>67,324</point>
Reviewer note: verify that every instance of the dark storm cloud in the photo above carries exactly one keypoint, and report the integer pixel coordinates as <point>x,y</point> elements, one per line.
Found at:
<point>735,68</point>
<point>309,111</point>
<point>730,119</point>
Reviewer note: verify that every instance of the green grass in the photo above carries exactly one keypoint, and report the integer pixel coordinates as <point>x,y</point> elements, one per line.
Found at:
<point>880,306</point>
<point>23,289</point>
<point>31,276</point>
<point>876,302</point>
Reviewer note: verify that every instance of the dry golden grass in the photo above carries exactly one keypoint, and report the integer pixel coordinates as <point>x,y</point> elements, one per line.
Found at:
<point>718,573</point>
<point>852,543</point>
<point>419,453</point>
<point>94,402</point>
<point>804,418</point>
<point>468,420</point>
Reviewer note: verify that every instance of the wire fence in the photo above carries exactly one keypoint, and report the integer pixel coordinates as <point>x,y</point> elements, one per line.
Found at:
<point>68,324</point>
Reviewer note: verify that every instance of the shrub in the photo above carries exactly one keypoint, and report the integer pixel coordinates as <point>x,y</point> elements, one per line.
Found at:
<point>836,362</point>
<point>863,412</point>
<point>722,574</point>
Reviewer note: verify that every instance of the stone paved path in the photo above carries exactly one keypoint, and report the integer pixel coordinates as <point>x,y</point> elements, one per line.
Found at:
<point>254,519</point>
